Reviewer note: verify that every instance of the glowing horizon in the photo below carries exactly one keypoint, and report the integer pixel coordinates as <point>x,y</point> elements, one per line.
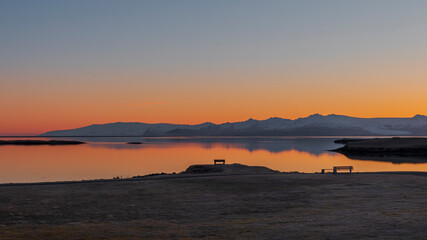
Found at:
<point>189,123</point>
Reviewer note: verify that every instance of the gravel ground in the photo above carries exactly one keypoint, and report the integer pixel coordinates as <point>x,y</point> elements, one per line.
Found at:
<point>245,206</point>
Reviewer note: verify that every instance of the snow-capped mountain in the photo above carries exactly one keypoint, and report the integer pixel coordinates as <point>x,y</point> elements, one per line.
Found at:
<point>314,125</point>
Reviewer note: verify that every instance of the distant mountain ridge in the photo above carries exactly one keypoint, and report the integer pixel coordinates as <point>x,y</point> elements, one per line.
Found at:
<point>313,125</point>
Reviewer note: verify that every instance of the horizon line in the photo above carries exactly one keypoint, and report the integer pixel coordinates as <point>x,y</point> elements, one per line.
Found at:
<point>7,135</point>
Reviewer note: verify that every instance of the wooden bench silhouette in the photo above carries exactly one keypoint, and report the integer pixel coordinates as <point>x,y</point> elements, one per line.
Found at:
<point>217,161</point>
<point>349,168</point>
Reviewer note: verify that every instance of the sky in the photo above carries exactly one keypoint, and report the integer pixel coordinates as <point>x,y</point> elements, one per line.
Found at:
<point>68,64</point>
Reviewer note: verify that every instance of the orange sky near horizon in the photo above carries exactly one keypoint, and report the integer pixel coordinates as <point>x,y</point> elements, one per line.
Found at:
<point>36,103</point>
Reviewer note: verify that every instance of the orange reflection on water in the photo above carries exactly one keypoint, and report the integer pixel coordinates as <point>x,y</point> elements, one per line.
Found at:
<point>108,160</point>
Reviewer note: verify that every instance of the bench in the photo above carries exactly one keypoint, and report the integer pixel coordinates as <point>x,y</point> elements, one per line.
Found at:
<point>217,161</point>
<point>349,168</point>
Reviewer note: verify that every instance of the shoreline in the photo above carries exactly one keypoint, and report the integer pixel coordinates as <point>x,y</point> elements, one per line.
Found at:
<point>168,176</point>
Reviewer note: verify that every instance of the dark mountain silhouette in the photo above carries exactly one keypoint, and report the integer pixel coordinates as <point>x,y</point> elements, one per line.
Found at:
<point>314,125</point>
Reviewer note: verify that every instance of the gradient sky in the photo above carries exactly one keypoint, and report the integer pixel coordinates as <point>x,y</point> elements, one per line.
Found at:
<point>67,64</point>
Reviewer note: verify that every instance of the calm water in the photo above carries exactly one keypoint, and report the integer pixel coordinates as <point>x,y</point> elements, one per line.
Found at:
<point>111,157</point>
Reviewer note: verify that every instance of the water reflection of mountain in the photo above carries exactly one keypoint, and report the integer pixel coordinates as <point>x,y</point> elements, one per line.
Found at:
<point>271,144</point>
<point>313,146</point>
<point>274,145</point>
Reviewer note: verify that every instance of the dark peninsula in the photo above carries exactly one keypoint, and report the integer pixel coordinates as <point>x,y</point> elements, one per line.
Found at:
<point>397,150</point>
<point>39,142</point>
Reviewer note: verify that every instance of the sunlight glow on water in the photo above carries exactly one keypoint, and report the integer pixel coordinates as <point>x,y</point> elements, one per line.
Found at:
<point>105,159</point>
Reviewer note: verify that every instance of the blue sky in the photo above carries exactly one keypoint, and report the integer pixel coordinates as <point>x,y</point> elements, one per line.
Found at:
<point>206,34</point>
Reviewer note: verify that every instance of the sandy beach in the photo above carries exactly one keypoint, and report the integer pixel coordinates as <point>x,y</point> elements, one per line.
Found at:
<point>226,205</point>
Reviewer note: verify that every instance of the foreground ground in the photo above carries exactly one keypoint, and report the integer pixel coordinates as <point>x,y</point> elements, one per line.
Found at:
<point>251,206</point>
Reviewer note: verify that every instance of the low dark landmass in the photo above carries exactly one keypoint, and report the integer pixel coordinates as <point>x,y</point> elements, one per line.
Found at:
<point>396,150</point>
<point>393,158</point>
<point>231,204</point>
<point>382,145</point>
<point>227,168</point>
<point>134,143</point>
<point>39,142</point>
<point>349,140</point>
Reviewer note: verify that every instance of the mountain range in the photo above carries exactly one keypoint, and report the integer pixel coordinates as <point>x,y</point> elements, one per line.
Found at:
<point>313,125</point>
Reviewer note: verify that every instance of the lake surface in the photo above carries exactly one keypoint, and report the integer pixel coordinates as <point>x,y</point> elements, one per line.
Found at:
<point>103,158</point>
